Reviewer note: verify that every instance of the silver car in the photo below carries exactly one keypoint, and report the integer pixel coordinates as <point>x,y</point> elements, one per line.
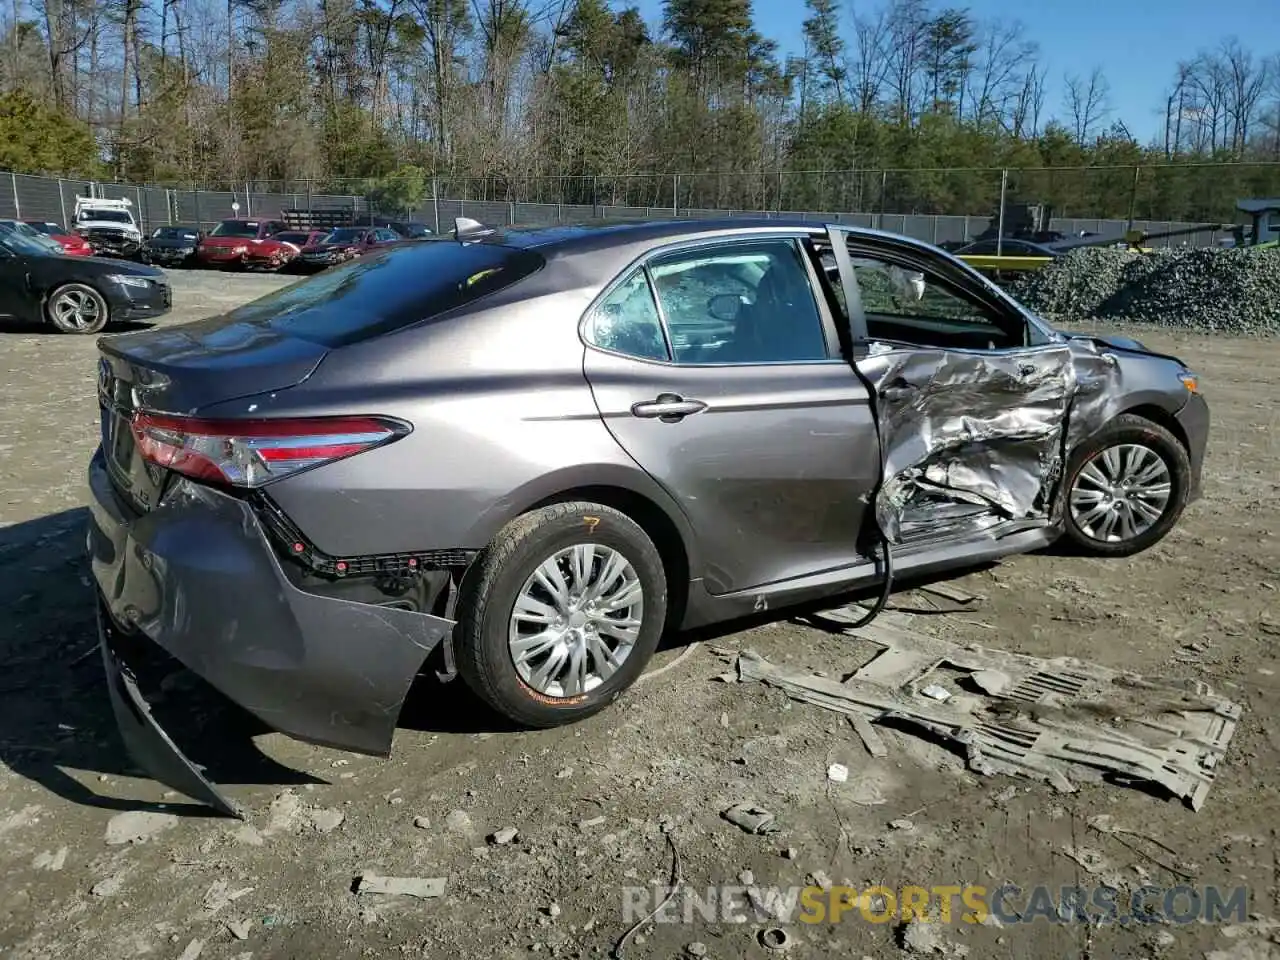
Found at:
<point>522,456</point>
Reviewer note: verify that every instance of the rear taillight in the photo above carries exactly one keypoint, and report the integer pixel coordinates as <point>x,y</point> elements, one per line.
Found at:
<point>250,453</point>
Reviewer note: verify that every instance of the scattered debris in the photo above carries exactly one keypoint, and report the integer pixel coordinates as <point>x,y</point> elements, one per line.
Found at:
<point>901,823</point>
<point>750,817</point>
<point>564,774</point>
<point>746,878</point>
<point>248,835</point>
<point>1047,718</point>
<point>50,861</point>
<point>695,949</point>
<point>867,733</point>
<point>838,773</point>
<point>220,894</point>
<point>790,853</point>
<point>108,887</point>
<point>1005,795</point>
<point>137,826</point>
<point>922,937</point>
<point>592,822</point>
<point>422,823</point>
<point>553,910</point>
<point>458,821</point>
<point>774,938</point>
<point>327,819</point>
<point>422,888</point>
<point>935,692</point>
<point>504,836</point>
<point>677,880</point>
<point>819,879</point>
<point>1091,860</point>
<point>240,928</point>
<point>194,949</point>
<point>950,592</point>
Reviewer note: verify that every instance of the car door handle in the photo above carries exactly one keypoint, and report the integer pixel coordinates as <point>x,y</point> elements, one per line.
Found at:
<point>667,407</point>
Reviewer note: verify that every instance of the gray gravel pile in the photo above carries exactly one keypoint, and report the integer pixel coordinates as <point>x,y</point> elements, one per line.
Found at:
<point>1233,291</point>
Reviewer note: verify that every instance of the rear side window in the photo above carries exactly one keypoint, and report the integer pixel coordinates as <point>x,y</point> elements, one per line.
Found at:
<point>370,296</point>
<point>627,321</point>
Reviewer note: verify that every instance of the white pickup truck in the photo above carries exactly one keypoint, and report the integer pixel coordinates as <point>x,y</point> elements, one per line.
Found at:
<point>108,225</point>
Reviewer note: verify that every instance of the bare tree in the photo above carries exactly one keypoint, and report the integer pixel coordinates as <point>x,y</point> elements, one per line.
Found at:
<point>870,68</point>
<point>1246,81</point>
<point>1005,74</point>
<point>1087,102</point>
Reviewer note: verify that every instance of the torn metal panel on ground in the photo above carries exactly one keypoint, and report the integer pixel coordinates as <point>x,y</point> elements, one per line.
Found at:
<point>1046,719</point>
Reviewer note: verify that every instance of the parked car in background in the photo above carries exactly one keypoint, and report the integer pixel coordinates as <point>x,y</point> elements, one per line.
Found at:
<point>30,233</point>
<point>280,250</point>
<point>72,244</point>
<point>345,243</point>
<point>108,225</point>
<point>75,294</point>
<point>300,239</point>
<point>409,229</point>
<point>173,246</point>
<point>500,443</point>
<point>230,243</point>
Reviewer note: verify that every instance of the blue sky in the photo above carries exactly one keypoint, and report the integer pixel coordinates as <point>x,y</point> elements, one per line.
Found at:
<point>1137,43</point>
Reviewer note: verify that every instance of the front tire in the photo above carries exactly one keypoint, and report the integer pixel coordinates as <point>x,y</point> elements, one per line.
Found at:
<point>77,308</point>
<point>560,613</point>
<point>1126,487</point>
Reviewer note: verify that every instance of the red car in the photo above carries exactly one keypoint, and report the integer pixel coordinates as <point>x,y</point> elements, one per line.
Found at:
<point>343,244</point>
<point>241,243</point>
<point>73,245</point>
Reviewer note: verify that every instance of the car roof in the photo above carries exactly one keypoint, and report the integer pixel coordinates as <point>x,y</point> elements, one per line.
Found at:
<point>605,234</point>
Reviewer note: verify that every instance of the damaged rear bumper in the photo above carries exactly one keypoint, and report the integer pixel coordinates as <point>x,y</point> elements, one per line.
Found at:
<point>197,576</point>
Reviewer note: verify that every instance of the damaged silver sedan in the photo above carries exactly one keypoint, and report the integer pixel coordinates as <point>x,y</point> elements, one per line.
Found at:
<point>529,453</point>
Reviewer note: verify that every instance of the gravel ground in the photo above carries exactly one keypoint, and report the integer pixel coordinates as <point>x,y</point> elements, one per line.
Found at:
<point>98,863</point>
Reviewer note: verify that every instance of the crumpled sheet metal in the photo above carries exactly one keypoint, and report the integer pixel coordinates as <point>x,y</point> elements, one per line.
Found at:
<point>988,429</point>
<point>984,428</point>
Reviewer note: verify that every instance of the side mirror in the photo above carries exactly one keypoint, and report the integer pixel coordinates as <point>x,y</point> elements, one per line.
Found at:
<point>725,306</point>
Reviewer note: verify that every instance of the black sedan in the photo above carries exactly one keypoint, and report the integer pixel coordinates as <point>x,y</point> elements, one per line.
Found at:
<point>76,294</point>
<point>171,246</point>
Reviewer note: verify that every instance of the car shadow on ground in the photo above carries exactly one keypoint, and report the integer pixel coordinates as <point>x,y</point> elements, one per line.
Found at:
<point>56,724</point>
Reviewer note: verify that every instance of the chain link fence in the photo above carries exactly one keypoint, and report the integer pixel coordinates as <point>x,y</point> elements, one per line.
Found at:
<point>944,206</point>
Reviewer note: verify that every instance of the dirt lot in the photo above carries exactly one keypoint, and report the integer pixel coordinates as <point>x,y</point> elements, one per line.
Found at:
<point>595,805</point>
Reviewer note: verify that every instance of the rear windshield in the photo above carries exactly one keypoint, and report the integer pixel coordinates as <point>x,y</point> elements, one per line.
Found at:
<point>235,228</point>
<point>384,292</point>
<point>345,235</point>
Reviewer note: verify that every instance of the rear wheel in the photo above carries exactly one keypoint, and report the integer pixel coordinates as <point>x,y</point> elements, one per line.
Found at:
<point>1126,487</point>
<point>560,613</point>
<point>77,308</point>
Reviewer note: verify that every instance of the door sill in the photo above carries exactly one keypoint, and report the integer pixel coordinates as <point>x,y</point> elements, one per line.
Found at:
<point>910,561</point>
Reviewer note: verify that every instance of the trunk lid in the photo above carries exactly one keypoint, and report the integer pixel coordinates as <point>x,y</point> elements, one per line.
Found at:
<point>180,370</point>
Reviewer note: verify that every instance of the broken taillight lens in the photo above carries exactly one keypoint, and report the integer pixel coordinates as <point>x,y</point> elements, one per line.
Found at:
<point>250,453</point>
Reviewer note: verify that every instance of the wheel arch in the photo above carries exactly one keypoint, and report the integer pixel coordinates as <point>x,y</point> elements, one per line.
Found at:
<point>1159,415</point>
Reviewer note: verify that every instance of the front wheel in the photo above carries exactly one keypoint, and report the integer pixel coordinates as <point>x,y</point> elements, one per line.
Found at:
<point>1125,487</point>
<point>77,308</point>
<point>560,613</point>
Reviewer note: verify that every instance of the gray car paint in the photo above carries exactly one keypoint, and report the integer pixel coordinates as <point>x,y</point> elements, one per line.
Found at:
<point>764,491</point>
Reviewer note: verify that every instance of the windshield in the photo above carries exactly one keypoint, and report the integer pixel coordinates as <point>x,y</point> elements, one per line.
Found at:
<point>289,236</point>
<point>174,233</point>
<point>47,228</point>
<point>111,216</point>
<point>235,228</point>
<point>15,242</point>
<point>386,292</point>
<point>344,235</point>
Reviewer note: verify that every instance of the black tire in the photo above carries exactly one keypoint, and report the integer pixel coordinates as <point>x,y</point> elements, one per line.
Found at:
<point>490,589</point>
<point>56,313</point>
<point>1129,429</point>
